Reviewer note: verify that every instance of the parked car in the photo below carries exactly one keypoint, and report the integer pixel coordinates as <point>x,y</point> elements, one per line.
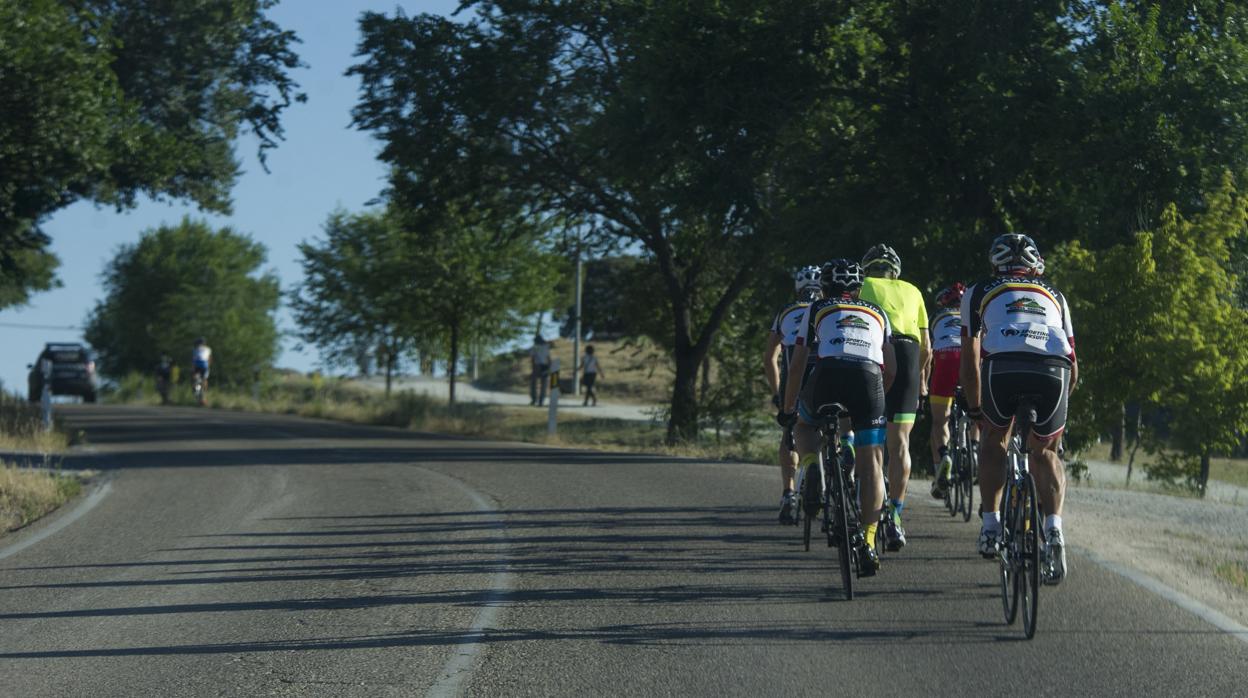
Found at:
<point>73,372</point>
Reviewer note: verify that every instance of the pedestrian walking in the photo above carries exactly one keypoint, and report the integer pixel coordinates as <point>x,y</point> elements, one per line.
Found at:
<point>590,372</point>
<point>539,370</point>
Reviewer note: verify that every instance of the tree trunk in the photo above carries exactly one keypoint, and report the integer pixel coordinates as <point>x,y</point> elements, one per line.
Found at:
<point>389,370</point>
<point>683,424</point>
<point>1119,434</point>
<point>452,368</point>
<point>1135,443</point>
<point>1204,472</point>
<point>706,378</point>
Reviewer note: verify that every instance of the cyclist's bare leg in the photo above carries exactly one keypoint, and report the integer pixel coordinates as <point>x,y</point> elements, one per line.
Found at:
<point>788,463</point>
<point>992,465</point>
<point>940,426</point>
<point>1049,472</point>
<point>806,437</point>
<point>898,459</point>
<point>868,464</point>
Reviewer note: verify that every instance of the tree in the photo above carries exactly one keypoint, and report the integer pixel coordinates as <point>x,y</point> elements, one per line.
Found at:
<point>353,290</point>
<point>474,277</point>
<point>659,121</point>
<point>96,105</point>
<point>179,283</point>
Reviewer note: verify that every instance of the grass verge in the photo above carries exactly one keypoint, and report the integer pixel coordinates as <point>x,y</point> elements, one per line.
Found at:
<point>21,428</point>
<point>26,495</point>
<point>1230,470</point>
<point>328,398</point>
<point>1233,572</point>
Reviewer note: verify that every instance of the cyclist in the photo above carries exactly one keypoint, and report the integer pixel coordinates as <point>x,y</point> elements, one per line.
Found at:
<point>164,377</point>
<point>1020,325</point>
<point>855,366</point>
<point>201,361</point>
<point>946,328</point>
<point>907,313</point>
<point>780,343</point>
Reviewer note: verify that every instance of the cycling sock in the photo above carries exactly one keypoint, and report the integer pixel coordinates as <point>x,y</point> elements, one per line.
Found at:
<point>896,505</point>
<point>806,460</point>
<point>787,491</point>
<point>870,534</point>
<point>992,521</point>
<point>1052,521</point>
<point>944,451</point>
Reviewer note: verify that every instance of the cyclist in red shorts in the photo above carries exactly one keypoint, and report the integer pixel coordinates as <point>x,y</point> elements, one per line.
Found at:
<point>946,329</point>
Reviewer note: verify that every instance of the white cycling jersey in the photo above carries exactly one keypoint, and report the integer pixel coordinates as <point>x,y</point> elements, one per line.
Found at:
<point>946,329</point>
<point>846,328</point>
<point>1019,315</point>
<point>202,354</point>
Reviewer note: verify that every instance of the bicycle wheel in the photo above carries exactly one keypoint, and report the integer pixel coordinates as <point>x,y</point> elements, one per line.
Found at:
<point>1009,582</point>
<point>810,501</point>
<point>954,490</point>
<point>839,504</point>
<point>1029,554</point>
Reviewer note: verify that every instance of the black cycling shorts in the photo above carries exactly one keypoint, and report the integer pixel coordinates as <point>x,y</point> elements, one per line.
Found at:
<point>902,401</point>
<point>858,385</point>
<point>1004,379</point>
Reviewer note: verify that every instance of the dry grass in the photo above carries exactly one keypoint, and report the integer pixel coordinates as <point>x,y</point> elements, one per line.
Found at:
<point>26,495</point>
<point>633,373</point>
<point>21,428</point>
<point>1234,572</point>
<point>1232,470</point>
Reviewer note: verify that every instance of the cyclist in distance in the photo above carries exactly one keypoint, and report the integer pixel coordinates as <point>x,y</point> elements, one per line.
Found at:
<point>855,366</point>
<point>201,360</point>
<point>946,329</point>
<point>780,343</point>
<point>903,303</point>
<point>1017,339</point>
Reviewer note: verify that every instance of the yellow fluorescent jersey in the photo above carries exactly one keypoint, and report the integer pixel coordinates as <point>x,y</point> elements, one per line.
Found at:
<point>901,301</point>
<point>845,328</point>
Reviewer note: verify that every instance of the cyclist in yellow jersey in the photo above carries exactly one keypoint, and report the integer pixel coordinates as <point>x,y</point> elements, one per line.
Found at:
<point>907,314</point>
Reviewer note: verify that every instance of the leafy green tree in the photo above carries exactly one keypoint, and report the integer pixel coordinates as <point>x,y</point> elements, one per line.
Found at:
<point>661,121</point>
<point>354,288</point>
<point>474,278</point>
<point>97,104</point>
<point>181,282</point>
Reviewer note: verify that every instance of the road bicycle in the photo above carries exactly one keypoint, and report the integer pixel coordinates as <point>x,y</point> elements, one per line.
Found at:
<point>960,494</point>
<point>829,493</point>
<point>1021,537</point>
<point>197,388</point>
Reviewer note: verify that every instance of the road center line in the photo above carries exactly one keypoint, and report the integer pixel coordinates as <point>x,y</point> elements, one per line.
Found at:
<point>76,512</point>
<point>462,662</point>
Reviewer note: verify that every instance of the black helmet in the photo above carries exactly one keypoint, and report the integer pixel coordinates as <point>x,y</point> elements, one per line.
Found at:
<point>199,341</point>
<point>840,276</point>
<point>882,255</point>
<point>1013,252</point>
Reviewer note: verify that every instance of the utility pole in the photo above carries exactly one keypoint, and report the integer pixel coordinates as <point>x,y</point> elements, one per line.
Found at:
<point>576,323</point>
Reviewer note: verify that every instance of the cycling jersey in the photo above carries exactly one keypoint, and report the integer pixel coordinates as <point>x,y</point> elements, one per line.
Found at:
<point>946,327</point>
<point>1019,315</point>
<point>846,328</point>
<point>201,356</point>
<point>788,324</point>
<point>901,301</point>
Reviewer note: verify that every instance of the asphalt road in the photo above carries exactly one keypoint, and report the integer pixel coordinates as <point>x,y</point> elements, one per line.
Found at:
<point>247,555</point>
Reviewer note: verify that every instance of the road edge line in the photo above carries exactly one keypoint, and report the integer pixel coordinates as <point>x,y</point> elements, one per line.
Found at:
<point>462,663</point>
<point>63,520</point>
<point>1206,613</point>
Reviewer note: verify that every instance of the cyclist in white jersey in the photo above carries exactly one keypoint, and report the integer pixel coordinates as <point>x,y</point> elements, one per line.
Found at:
<point>201,359</point>
<point>856,366</point>
<point>1019,325</point>
<point>780,343</point>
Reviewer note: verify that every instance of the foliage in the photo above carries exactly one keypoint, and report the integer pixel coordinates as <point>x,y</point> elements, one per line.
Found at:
<point>179,283</point>
<point>353,292</point>
<point>97,107</point>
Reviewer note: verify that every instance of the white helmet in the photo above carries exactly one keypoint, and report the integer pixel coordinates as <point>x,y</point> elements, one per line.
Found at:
<point>806,278</point>
<point>1013,252</point>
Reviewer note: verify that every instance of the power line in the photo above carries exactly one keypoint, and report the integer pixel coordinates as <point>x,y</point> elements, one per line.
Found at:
<point>25,326</point>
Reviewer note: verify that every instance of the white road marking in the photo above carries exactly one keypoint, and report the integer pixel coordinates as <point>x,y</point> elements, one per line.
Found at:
<point>1210,615</point>
<point>87,504</point>
<point>462,662</point>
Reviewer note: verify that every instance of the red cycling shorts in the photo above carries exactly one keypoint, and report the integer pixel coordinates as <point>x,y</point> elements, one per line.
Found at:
<point>945,366</point>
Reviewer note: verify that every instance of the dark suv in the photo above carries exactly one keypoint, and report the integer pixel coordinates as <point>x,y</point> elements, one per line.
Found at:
<point>73,372</point>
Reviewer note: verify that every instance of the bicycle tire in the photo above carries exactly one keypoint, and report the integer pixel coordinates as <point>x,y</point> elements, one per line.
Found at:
<point>1008,576</point>
<point>840,529</point>
<point>1029,556</point>
<point>809,504</point>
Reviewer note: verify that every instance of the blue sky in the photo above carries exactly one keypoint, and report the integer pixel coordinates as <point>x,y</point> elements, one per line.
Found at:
<point>323,164</point>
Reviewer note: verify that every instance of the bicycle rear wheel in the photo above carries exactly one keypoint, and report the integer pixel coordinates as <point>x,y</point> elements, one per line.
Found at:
<point>810,501</point>
<point>955,485</point>
<point>1029,554</point>
<point>970,477</point>
<point>1008,573</point>
<point>839,503</point>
